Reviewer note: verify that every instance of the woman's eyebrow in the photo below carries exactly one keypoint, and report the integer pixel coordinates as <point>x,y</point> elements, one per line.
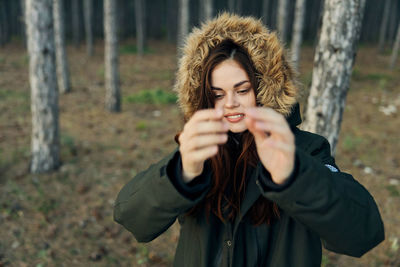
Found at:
<point>240,83</point>
<point>235,86</point>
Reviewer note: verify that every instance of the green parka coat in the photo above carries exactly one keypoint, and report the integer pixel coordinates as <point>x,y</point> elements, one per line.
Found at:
<point>320,205</point>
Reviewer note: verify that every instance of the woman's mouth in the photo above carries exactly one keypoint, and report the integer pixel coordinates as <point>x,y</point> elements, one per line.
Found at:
<point>233,118</point>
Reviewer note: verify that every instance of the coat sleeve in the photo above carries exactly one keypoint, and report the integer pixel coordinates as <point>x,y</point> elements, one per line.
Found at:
<point>150,203</point>
<point>329,202</point>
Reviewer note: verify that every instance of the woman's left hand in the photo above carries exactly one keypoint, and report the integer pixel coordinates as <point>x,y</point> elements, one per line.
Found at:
<point>274,140</point>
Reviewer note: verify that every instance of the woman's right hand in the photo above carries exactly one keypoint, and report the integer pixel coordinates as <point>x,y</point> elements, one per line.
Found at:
<point>199,140</point>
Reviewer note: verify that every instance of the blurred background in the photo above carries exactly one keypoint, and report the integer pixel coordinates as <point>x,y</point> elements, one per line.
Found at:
<point>111,112</point>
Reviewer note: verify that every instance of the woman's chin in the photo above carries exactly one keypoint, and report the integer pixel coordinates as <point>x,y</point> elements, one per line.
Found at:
<point>238,129</point>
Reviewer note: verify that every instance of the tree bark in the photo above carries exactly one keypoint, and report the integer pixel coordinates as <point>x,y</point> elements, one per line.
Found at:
<point>139,16</point>
<point>172,21</point>
<point>265,12</point>
<point>208,9</point>
<point>239,6</point>
<point>395,51</point>
<point>1,24</point>
<point>4,23</point>
<point>205,10</point>
<point>12,20</point>
<point>283,19</point>
<point>393,22</point>
<point>44,93</point>
<point>64,85</point>
<point>76,30</point>
<point>23,24</point>
<point>183,23</point>
<point>333,62</point>
<point>113,96</point>
<point>231,6</point>
<point>88,9</point>
<point>384,24</point>
<point>298,32</point>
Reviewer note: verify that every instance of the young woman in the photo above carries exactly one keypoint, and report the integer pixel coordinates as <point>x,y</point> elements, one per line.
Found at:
<point>247,186</point>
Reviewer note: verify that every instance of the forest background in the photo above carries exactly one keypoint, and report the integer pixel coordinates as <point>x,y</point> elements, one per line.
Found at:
<point>65,217</point>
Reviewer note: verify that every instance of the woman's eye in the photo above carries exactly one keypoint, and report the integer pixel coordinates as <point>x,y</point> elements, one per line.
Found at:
<point>243,91</point>
<point>218,96</point>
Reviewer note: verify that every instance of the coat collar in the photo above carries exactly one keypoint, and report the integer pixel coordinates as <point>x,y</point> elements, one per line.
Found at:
<point>294,118</point>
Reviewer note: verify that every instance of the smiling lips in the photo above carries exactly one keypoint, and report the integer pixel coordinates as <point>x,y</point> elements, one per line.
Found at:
<point>234,117</point>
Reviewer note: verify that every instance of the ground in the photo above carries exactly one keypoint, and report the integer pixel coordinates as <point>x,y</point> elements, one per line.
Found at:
<point>65,218</point>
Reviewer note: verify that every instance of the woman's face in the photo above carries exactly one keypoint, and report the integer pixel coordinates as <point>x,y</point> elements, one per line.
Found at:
<point>233,93</point>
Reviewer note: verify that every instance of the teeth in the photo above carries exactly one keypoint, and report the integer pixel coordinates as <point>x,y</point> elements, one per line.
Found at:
<point>235,116</point>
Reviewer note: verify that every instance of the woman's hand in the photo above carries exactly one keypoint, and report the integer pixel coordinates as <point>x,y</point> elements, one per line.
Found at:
<point>274,141</point>
<point>199,140</point>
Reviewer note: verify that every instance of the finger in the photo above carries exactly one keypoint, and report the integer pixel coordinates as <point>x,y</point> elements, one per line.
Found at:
<point>265,114</point>
<point>280,130</point>
<point>280,145</point>
<point>259,135</point>
<point>208,114</point>
<point>201,141</point>
<point>206,127</point>
<point>204,153</point>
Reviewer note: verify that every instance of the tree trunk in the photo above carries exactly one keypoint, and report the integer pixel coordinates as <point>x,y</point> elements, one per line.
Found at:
<point>333,62</point>
<point>139,16</point>
<point>88,9</point>
<point>98,19</point>
<point>13,11</point>
<point>274,14</point>
<point>384,24</point>
<point>4,23</point>
<point>231,6</point>
<point>23,24</point>
<point>283,19</point>
<point>298,32</point>
<point>183,23</point>
<point>208,9</point>
<point>172,21</point>
<point>205,10</point>
<point>76,30</point>
<point>61,53</point>
<point>113,97</point>
<point>239,6</point>
<point>395,51</point>
<point>265,12</point>
<point>1,24</point>
<point>393,22</point>
<point>44,93</point>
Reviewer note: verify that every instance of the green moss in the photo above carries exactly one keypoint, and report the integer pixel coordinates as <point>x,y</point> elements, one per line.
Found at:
<point>393,191</point>
<point>152,96</point>
<point>141,125</point>
<point>351,142</point>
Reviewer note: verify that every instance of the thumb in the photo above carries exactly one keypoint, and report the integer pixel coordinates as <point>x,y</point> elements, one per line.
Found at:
<point>259,135</point>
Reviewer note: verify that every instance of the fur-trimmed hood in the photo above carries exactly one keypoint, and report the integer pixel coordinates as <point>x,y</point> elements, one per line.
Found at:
<point>277,86</point>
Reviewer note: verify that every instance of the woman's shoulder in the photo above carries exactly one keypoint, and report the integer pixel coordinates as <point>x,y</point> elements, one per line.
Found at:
<point>310,142</point>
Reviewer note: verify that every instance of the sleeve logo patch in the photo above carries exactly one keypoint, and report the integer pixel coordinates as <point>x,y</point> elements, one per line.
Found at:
<point>330,167</point>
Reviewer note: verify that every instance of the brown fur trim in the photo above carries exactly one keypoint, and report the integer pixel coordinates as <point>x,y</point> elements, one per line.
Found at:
<point>278,87</point>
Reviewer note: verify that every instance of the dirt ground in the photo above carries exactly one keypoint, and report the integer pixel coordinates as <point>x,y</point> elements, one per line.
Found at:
<point>65,218</point>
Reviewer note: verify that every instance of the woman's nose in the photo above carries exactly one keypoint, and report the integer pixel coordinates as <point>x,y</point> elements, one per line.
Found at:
<point>231,101</point>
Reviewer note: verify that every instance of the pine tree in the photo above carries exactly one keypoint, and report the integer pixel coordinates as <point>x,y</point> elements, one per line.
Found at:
<point>113,95</point>
<point>43,82</point>
<point>61,54</point>
<point>333,62</point>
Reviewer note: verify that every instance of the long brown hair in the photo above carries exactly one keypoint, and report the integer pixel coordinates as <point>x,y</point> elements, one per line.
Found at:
<point>229,181</point>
